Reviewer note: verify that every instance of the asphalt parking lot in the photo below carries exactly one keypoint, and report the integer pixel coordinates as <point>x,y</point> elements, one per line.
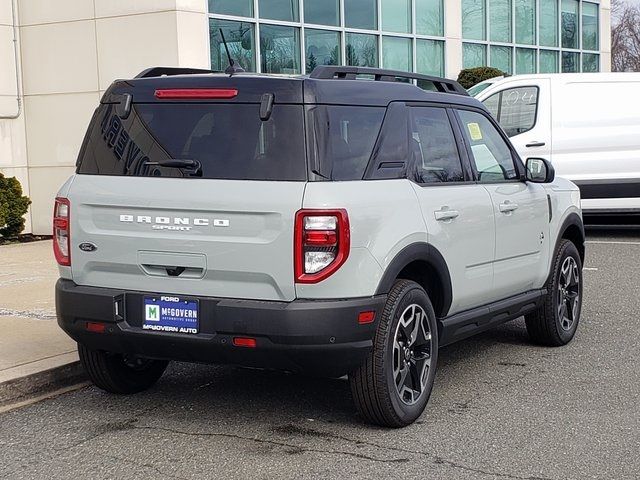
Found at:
<point>501,408</point>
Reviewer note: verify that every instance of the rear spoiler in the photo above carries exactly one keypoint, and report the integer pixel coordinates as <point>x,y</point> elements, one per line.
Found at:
<point>168,71</point>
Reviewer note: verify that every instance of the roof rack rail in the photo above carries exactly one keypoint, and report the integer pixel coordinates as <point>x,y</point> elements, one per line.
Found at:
<point>159,71</point>
<point>443,85</point>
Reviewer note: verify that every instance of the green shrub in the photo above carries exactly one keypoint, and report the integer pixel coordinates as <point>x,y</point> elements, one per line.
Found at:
<point>471,76</point>
<point>13,207</point>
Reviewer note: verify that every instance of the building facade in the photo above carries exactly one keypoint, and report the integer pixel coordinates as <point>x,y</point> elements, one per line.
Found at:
<point>57,58</point>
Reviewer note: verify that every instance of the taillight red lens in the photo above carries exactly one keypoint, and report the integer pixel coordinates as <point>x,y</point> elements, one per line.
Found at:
<point>196,93</point>
<point>321,243</point>
<point>61,231</point>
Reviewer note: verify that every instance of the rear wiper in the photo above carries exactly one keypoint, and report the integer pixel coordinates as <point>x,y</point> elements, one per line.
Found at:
<point>194,167</point>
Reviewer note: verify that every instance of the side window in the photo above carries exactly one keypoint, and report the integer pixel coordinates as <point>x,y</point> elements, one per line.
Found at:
<point>491,154</point>
<point>515,109</point>
<point>432,147</point>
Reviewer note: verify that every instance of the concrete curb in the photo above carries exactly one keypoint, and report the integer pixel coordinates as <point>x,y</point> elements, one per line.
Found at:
<point>23,388</point>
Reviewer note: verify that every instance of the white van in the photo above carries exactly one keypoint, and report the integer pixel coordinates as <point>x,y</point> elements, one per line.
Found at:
<point>587,124</point>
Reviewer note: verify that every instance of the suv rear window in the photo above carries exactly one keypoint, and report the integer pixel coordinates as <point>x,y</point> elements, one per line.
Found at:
<point>229,140</point>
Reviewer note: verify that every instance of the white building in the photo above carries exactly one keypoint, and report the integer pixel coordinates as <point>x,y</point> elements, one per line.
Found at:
<point>67,52</point>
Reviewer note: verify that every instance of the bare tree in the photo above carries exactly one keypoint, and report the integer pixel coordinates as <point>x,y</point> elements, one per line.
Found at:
<point>625,37</point>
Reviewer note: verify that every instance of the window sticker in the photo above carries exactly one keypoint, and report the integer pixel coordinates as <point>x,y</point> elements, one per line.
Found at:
<point>474,131</point>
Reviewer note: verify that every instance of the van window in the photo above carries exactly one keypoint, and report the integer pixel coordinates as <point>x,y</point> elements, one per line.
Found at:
<point>433,147</point>
<point>229,140</point>
<point>342,139</point>
<point>491,155</point>
<point>515,109</point>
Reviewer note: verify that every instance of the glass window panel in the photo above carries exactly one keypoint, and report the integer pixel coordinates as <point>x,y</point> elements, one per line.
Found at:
<point>526,22</point>
<point>361,14</point>
<point>473,55</point>
<point>501,58</point>
<point>430,17</point>
<point>548,61</point>
<point>362,50</point>
<point>473,19</point>
<point>500,20</point>
<point>548,23</point>
<point>280,48</point>
<point>240,38</point>
<point>589,26</point>
<point>322,48</point>
<point>396,16</point>
<point>525,60</point>
<point>570,25</point>
<point>570,62</point>
<point>279,9</point>
<point>397,53</point>
<point>518,108</point>
<point>491,154</point>
<point>322,12</point>
<point>241,8</point>
<point>590,62</point>
<point>430,57</point>
<point>433,147</point>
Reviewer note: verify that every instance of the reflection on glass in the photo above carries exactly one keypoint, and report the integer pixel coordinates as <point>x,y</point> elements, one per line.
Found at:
<point>430,17</point>
<point>430,57</point>
<point>361,14</point>
<point>500,58</point>
<point>589,26</point>
<point>548,61</point>
<point>473,19</point>
<point>280,48</point>
<point>362,50</point>
<point>570,25</point>
<point>241,8</point>
<point>570,62</point>
<point>396,16</point>
<point>322,48</point>
<point>500,20</point>
<point>548,23</point>
<point>473,55</point>
<point>322,12</point>
<point>525,60</point>
<point>396,53</point>
<point>278,9</point>
<point>526,22</point>
<point>590,62</point>
<point>240,39</point>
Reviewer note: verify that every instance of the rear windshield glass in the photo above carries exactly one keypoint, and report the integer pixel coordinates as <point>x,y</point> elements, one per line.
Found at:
<point>228,140</point>
<point>342,139</point>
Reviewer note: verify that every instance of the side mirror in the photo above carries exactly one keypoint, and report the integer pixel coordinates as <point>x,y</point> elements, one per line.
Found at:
<point>540,170</point>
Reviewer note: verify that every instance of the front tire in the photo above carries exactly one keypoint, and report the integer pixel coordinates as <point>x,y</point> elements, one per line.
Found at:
<point>115,373</point>
<point>555,323</point>
<point>392,387</point>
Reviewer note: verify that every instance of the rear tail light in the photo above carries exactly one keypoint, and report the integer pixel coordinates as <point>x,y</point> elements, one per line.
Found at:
<point>61,237</point>
<point>321,243</point>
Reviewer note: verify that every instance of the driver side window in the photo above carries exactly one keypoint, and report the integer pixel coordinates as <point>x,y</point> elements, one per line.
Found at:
<point>491,155</point>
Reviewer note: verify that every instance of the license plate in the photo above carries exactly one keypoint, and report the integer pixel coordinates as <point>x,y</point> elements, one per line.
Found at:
<point>165,313</point>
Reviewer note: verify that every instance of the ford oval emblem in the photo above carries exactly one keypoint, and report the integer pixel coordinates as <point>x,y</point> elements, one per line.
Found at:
<point>87,247</point>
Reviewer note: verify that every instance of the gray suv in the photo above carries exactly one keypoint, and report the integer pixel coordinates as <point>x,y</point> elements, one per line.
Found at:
<point>347,222</point>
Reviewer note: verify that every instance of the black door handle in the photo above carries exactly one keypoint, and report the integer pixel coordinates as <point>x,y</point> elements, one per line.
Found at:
<point>535,144</point>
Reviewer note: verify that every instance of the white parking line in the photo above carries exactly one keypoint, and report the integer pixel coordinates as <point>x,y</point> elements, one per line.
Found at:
<point>612,242</point>
<point>590,269</point>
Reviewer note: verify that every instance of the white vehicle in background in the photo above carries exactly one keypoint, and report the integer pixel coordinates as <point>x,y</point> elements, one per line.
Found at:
<point>482,86</point>
<point>587,125</point>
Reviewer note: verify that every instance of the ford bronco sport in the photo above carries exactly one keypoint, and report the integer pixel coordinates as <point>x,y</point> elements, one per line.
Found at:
<point>351,222</point>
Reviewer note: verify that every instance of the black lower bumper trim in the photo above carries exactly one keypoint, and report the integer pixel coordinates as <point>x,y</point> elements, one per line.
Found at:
<point>317,336</point>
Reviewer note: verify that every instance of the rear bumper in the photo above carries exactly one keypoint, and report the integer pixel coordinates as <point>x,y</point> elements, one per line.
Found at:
<point>316,336</point>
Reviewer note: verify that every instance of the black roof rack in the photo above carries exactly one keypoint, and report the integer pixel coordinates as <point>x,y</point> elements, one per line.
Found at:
<point>159,71</point>
<point>443,85</point>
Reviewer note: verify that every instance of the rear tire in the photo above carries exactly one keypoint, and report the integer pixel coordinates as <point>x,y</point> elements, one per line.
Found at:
<point>555,323</point>
<point>392,387</point>
<point>115,373</point>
